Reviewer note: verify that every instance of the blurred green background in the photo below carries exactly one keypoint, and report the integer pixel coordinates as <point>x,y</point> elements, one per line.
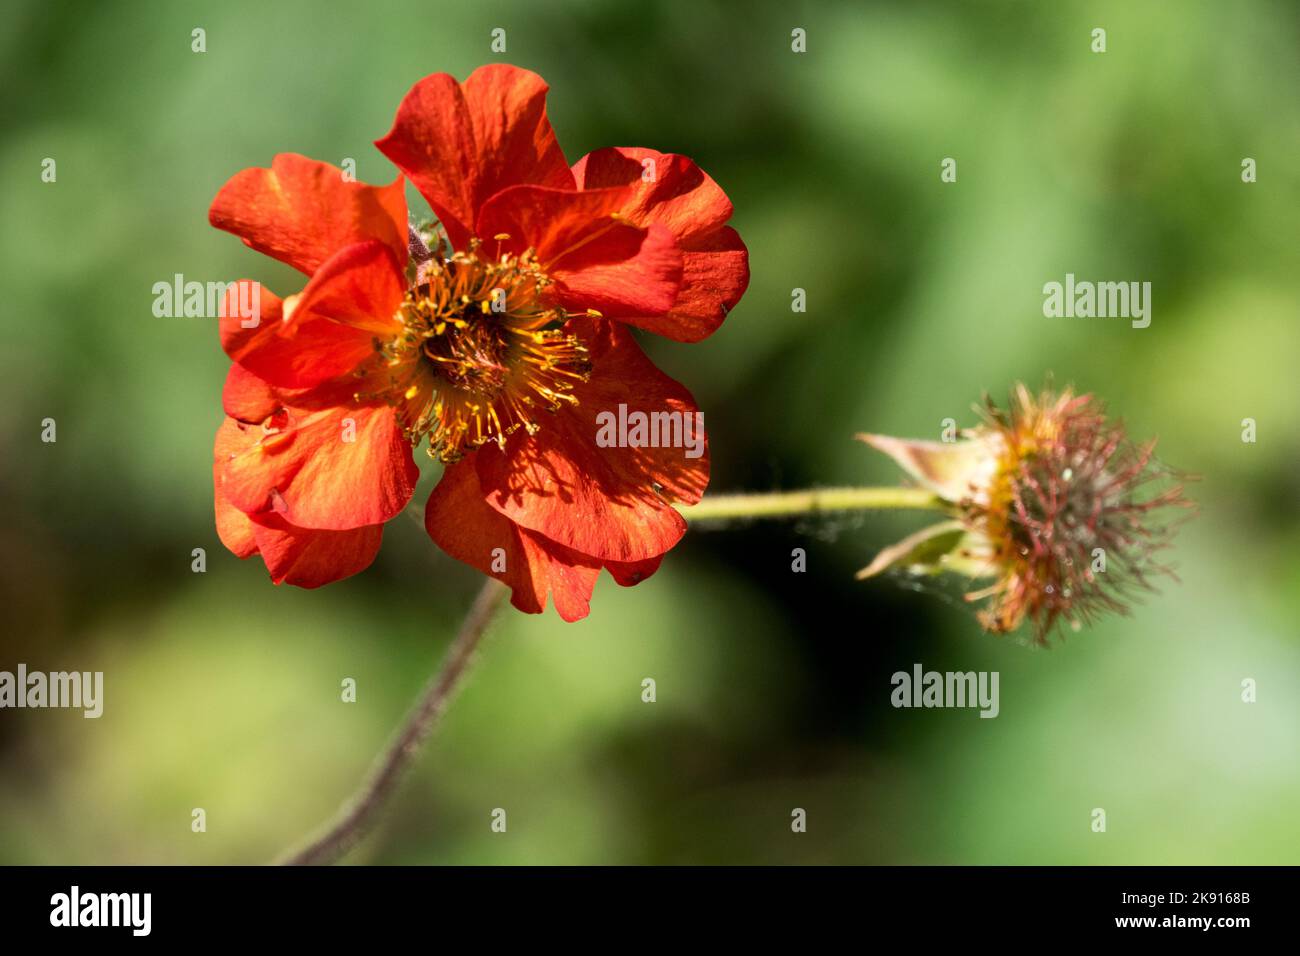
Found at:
<point>222,691</point>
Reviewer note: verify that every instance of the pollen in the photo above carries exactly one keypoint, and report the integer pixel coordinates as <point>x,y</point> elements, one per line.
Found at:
<point>481,353</point>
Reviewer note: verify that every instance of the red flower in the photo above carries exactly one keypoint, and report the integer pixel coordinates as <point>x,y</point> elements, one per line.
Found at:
<point>499,355</point>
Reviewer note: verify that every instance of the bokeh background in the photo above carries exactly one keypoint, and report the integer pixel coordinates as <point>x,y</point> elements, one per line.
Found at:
<point>222,691</point>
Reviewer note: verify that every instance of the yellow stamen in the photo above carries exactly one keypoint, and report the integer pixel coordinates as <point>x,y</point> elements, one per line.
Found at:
<point>481,351</point>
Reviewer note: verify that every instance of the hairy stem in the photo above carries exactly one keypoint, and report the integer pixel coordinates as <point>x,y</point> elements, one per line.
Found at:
<point>358,813</point>
<point>415,244</point>
<point>354,818</point>
<point>788,504</point>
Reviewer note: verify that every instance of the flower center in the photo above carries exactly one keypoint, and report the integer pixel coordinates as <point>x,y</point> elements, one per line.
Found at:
<point>480,353</point>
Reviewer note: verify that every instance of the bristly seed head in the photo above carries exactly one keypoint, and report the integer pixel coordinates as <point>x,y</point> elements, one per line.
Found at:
<point>480,353</point>
<point>1069,516</point>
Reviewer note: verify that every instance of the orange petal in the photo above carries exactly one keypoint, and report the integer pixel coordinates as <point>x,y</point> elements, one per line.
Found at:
<point>322,464</point>
<point>670,190</point>
<point>360,286</point>
<point>663,188</point>
<point>715,274</point>
<point>234,528</point>
<point>246,397</point>
<point>292,555</point>
<point>301,211</point>
<point>290,355</point>
<point>461,143</point>
<point>597,260</point>
<point>611,503</point>
<point>461,523</point>
<point>633,572</point>
<point>310,559</point>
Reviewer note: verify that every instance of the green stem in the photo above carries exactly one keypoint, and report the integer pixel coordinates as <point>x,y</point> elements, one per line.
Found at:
<point>788,504</point>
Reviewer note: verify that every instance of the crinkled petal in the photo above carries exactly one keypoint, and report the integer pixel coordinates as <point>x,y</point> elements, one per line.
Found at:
<point>570,577</point>
<point>461,523</point>
<point>461,143</point>
<point>715,274</point>
<point>360,286</point>
<point>302,211</point>
<point>246,397</point>
<point>613,503</point>
<point>323,463</point>
<point>310,559</point>
<point>597,260</point>
<point>297,355</point>
<point>292,555</point>
<point>234,528</point>
<point>671,191</point>
<point>633,572</point>
<point>663,188</point>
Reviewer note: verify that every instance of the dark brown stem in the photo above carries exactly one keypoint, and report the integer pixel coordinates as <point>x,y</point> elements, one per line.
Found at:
<point>355,816</point>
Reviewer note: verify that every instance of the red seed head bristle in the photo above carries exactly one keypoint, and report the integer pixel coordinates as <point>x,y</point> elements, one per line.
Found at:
<point>1072,496</point>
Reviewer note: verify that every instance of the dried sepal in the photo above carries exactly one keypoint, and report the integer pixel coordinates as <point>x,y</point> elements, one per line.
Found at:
<point>947,546</point>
